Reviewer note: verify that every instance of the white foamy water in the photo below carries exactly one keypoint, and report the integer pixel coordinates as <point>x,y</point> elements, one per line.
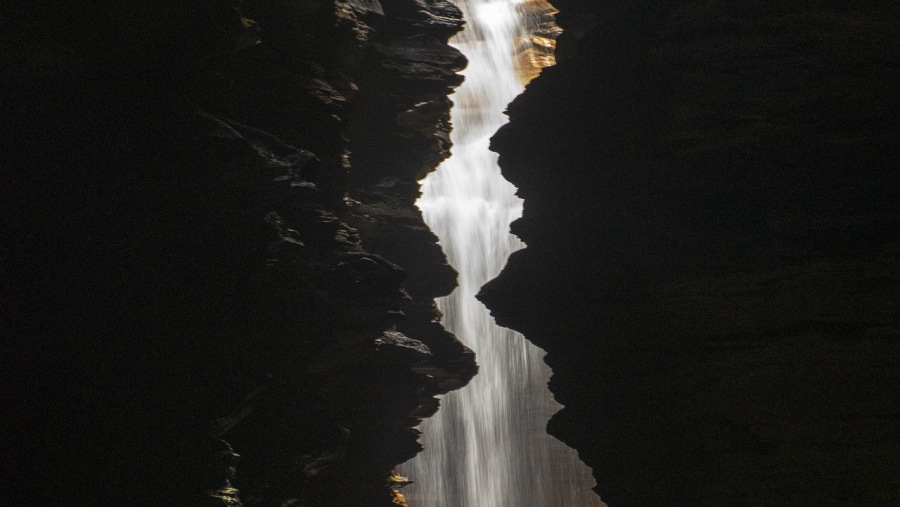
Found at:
<point>487,446</point>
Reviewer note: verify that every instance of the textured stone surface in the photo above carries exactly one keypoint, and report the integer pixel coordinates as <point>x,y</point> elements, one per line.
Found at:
<point>400,132</point>
<point>180,284</point>
<point>712,248</point>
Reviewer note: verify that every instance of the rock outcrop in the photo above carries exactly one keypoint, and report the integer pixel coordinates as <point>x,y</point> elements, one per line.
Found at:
<point>712,263</point>
<point>195,311</point>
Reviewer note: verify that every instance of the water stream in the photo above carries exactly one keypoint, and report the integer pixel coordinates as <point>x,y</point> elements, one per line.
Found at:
<point>487,446</point>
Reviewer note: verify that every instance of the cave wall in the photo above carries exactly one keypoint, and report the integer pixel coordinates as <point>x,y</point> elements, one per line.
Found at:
<point>195,309</point>
<point>712,265</point>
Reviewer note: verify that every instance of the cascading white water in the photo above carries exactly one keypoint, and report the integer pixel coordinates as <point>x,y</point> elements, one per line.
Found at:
<point>487,446</point>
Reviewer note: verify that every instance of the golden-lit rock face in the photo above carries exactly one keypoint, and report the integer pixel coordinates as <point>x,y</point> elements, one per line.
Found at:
<point>398,499</point>
<point>536,50</point>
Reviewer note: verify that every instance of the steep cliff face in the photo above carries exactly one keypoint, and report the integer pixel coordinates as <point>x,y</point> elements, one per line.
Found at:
<point>712,265</point>
<point>180,284</point>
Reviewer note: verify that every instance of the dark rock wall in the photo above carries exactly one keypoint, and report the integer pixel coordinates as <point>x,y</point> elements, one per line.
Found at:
<point>180,284</point>
<point>712,264</point>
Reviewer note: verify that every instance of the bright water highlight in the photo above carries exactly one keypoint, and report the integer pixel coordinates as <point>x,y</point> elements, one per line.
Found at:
<point>487,446</point>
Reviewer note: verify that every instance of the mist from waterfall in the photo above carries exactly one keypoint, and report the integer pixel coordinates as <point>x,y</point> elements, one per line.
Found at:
<point>488,446</point>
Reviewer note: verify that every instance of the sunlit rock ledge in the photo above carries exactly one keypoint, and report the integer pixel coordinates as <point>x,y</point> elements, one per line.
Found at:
<point>537,49</point>
<point>712,249</point>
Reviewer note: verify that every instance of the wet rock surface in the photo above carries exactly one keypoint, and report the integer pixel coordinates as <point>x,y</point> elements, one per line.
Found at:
<point>192,316</point>
<point>712,237</point>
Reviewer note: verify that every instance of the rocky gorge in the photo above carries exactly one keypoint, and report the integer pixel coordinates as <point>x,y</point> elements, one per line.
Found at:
<point>216,288</point>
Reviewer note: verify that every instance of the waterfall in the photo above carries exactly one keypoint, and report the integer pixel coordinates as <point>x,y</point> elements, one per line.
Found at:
<point>488,446</point>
